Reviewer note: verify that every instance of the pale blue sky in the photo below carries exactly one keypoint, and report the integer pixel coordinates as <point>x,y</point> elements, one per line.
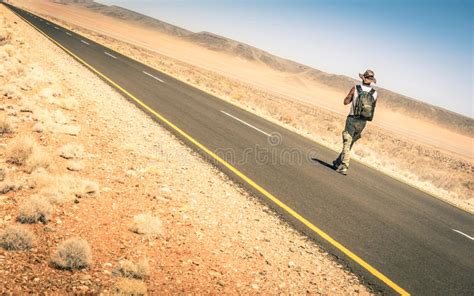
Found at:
<point>420,48</point>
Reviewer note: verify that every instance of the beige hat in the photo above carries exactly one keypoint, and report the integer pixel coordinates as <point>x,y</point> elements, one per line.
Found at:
<point>368,76</point>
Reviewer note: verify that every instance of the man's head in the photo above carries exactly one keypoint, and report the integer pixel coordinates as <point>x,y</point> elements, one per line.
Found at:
<point>368,77</point>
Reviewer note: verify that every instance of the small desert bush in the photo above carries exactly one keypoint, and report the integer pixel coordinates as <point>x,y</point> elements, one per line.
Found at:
<point>139,270</point>
<point>75,165</point>
<point>10,185</point>
<point>20,149</point>
<point>146,224</point>
<point>9,92</point>
<point>87,188</point>
<point>5,125</point>
<point>73,253</point>
<point>71,151</point>
<point>38,127</point>
<point>35,209</point>
<point>68,103</point>
<point>39,158</point>
<point>16,238</point>
<point>40,178</point>
<point>130,287</point>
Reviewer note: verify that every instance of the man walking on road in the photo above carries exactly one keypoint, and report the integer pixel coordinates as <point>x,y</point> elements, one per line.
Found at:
<point>363,98</point>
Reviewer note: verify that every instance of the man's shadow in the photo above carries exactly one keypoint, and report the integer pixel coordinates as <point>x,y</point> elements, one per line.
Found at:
<point>322,162</point>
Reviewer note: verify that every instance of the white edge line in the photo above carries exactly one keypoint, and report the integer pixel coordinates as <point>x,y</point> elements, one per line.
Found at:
<point>246,123</point>
<point>68,33</point>
<point>85,42</point>
<point>462,233</point>
<point>144,72</point>
<point>56,28</point>
<point>110,55</point>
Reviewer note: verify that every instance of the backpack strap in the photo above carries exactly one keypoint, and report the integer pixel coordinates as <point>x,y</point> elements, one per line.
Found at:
<point>372,91</point>
<point>359,88</point>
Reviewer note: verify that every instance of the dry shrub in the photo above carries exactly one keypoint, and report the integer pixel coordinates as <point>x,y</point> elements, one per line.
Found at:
<point>5,125</point>
<point>130,287</point>
<point>139,270</point>
<point>75,166</point>
<point>73,253</point>
<point>59,117</point>
<point>20,149</point>
<point>9,49</point>
<point>9,185</point>
<point>58,195</point>
<point>63,189</point>
<point>71,151</point>
<point>26,107</point>
<point>146,224</point>
<point>38,159</point>
<point>87,188</point>
<point>40,178</point>
<point>68,103</point>
<point>35,209</point>
<point>10,92</point>
<point>3,57</point>
<point>38,127</point>
<point>16,238</point>
<point>51,93</point>
<point>72,130</point>
<point>5,37</point>
<point>60,189</point>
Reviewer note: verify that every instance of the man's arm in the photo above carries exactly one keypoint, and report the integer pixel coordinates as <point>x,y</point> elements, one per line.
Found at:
<point>349,96</point>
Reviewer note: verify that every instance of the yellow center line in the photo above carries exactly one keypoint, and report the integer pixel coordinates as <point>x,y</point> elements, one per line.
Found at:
<point>260,189</point>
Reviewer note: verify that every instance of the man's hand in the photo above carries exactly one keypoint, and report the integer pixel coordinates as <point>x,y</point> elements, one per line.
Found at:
<point>349,96</point>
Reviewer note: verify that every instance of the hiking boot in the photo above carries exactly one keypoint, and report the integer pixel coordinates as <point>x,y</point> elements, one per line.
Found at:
<point>342,169</point>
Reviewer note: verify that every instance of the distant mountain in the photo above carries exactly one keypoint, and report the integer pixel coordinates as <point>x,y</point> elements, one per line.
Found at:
<point>398,102</point>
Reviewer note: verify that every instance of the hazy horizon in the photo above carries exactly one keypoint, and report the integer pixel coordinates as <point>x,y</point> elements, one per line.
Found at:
<point>422,49</point>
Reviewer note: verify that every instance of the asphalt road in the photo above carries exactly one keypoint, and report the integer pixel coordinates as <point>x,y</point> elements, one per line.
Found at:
<point>421,244</point>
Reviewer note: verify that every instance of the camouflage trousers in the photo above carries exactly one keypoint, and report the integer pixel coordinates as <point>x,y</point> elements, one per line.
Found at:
<point>352,132</point>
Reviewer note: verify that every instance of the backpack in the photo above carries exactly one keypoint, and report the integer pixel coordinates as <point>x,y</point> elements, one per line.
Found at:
<point>365,104</point>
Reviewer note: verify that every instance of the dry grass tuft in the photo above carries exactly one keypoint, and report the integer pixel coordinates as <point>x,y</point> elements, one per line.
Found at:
<point>35,209</point>
<point>59,117</point>
<point>73,253</point>
<point>130,287</point>
<point>139,270</point>
<point>58,195</point>
<point>40,178</point>
<point>68,103</point>
<point>38,127</point>
<point>87,188</point>
<point>5,125</point>
<point>146,224</point>
<point>20,149</point>
<point>38,159</point>
<point>71,151</point>
<point>9,92</point>
<point>16,238</point>
<point>75,166</point>
<point>10,185</point>
<point>26,107</point>
<point>61,189</point>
